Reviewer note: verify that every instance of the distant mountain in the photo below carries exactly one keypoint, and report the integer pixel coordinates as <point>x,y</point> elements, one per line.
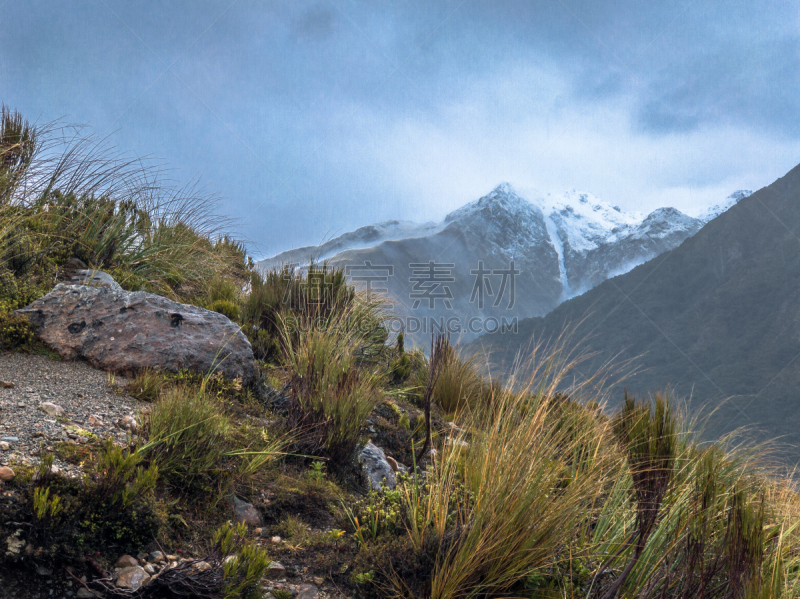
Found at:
<point>560,247</point>
<point>716,317</point>
<point>717,209</point>
<point>362,237</point>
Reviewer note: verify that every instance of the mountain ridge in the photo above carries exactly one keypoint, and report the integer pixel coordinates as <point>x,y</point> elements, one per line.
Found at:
<point>715,318</point>
<point>561,245</point>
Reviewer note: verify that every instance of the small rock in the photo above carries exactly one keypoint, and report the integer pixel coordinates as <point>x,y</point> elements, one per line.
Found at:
<point>246,512</point>
<point>127,561</point>
<point>318,580</point>
<point>10,439</point>
<point>129,422</point>
<point>51,409</point>
<point>95,420</point>
<point>6,474</point>
<point>392,462</point>
<point>6,385</point>
<point>258,531</point>
<point>131,578</point>
<point>15,544</point>
<point>4,446</point>
<point>150,569</point>
<point>91,278</point>
<point>275,570</point>
<point>376,467</point>
<point>52,471</point>
<point>84,593</point>
<point>202,566</point>
<point>229,559</point>
<point>276,540</point>
<point>307,591</point>
<point>43,571</point>
<point>156,557</point>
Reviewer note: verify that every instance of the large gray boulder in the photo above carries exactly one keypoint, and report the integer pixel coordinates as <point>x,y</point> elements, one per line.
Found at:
<point>125,331</point>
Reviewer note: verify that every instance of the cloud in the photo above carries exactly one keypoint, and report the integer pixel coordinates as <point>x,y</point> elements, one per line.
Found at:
<point>312,119</point>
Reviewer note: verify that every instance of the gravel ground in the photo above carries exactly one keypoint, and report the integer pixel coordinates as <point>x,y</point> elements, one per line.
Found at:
<point>91,406</point>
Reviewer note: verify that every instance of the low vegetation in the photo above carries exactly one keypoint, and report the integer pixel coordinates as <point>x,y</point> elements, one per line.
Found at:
<point>520,490</point>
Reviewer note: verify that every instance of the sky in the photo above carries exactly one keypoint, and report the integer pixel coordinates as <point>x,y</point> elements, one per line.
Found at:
<point>310,119</point>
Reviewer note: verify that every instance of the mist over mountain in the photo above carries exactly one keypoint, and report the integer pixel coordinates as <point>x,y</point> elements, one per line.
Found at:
<point>717,317</point>
<point>560,246</point>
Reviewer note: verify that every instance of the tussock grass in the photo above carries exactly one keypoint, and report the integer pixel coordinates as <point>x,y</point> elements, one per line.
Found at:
<point>520,480</point>
<point>284,303</point>
<point>65,194</point>
<point>187,434</point>
<point>458,386</point>
<point>334,387</point>
<point>196,445</point>
<point>541,495</point>
<point>146,384</point>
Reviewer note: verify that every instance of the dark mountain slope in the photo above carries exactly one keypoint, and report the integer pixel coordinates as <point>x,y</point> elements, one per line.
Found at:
<point>717,317</point>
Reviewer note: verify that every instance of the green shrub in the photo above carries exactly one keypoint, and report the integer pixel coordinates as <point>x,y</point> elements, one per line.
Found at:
<point>378,514</point>
<point>120,479</point>
<point>112,505</point>
<point>401,368</point>
<point>15,331</point>
<point>242,575</point>
<point>226,308</point>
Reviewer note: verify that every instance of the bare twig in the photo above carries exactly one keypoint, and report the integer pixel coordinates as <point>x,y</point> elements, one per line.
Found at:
<point>440,347</point>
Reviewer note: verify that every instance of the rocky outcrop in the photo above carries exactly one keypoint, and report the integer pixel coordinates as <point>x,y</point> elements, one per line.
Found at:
<point>124,331</point>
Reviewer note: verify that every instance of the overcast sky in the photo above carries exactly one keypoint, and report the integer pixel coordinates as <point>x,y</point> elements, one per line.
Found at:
<point>314,118</point>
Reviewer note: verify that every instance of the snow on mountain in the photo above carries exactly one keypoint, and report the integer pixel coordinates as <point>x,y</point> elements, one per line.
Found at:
<point>562,245</point>
<point>585,221</point>
<point>714,211</point>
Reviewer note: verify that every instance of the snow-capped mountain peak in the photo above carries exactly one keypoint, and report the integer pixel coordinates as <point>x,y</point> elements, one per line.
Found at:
<point>503,198</point>
<point>502,219</point>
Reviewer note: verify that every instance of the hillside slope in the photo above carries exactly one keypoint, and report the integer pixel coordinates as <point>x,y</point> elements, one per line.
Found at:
<point>717,317</point>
